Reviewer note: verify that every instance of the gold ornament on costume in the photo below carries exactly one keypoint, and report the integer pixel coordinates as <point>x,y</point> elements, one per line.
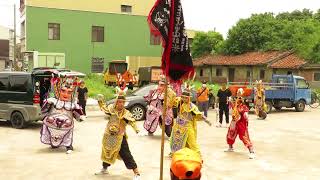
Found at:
<point>235,112</point>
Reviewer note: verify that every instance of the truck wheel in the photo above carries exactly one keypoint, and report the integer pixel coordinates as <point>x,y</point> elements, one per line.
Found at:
<point>300,105</point>
<point>17,120</point>
<point>269,106</point>
<point>138,112</point>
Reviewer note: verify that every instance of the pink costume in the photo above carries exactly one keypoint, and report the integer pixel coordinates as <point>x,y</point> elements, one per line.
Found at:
<point>154,112</point>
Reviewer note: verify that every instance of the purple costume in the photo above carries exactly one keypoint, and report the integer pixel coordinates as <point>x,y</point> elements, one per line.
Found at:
<point>154,112</point>
<point>57,129</point>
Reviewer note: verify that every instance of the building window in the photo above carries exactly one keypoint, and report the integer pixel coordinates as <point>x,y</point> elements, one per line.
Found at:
<point>316,76</point>
<point>262,74</point>
<point>97,65</point>
<point>126,9</point>
<point>201,72</point>
<point>23,29</point>
<point>22,4</point>
<point>218,72</point>
<point>248,74</point>
<point>154,40</point>
<point>97,34</point>
<point>54,31</point>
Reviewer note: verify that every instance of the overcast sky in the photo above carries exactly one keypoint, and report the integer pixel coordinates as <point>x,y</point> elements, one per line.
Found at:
<point>205,14</point>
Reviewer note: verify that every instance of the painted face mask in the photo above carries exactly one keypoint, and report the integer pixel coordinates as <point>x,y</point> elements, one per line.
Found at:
<point>65,94</point>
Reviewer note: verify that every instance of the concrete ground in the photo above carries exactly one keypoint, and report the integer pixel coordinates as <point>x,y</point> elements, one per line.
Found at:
<point>287,147</point>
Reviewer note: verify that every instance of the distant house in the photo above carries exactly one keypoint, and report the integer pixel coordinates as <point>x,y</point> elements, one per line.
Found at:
<point>6,47</point>
<point>253,66</point>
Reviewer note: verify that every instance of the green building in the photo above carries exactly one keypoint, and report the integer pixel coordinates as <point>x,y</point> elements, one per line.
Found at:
<point>85,35</point>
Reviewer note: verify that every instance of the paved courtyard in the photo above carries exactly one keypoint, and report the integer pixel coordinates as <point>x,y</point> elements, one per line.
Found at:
<point>287,147</point>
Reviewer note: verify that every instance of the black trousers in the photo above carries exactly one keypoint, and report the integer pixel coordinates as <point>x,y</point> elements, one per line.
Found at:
<point>83,105</point>
<point>167,128</point>
<point>125,155</point>
<point>68,147</point>
<point>223,109</point>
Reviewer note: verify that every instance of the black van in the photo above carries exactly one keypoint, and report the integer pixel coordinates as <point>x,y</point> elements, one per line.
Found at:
<point>19,98</point>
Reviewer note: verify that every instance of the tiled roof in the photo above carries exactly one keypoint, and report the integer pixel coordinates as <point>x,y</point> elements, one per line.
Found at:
<point>289,62</point>
<point>274,59</point>
<point>250,58</point>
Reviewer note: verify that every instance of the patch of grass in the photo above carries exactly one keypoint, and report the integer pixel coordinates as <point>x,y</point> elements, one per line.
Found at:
<point>316,90</point>
<point>95,85</point>
<point>214,87</point>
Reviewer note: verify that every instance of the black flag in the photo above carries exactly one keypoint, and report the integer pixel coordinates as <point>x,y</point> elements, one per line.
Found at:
<point>166,19</point>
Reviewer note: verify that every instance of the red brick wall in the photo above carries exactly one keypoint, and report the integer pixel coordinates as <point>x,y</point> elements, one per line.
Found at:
<point>307,74</point>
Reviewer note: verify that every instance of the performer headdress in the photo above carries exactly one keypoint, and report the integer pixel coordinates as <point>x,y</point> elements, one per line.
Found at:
<point>187,90</point>
<point>59,82</point>
<point>188,87</point>
<point>121,89</point>
<point>121,93</point>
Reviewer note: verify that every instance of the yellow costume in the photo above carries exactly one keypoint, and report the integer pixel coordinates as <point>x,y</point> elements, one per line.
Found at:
<point>115,132</point>
<point>184,132</point>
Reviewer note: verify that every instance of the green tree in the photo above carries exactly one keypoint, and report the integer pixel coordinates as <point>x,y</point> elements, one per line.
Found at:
<point>250,34</point>
<point>305,14</point>
<point>205,43</point>
<point>298,31</point>
<point>316,16</point>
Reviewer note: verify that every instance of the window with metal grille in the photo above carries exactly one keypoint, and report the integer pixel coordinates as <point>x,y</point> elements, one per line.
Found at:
<point>316,76</point>
<point>97,34</point>
<point>154,40</point>
<point>126,8</point>
<point>54,31</point>
<point>97,65</point>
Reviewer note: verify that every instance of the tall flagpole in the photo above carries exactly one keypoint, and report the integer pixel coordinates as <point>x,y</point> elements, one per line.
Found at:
<point>163,128</point>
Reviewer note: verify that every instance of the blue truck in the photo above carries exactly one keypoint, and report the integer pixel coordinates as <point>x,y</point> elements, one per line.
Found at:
<point>287,91</point>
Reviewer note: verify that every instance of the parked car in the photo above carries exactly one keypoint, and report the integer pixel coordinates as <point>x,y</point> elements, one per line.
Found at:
<point>136,103</point>
<point>21,95</point>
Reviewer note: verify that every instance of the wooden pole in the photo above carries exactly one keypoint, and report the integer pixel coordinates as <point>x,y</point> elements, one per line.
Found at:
<point>14,37</point>
<point>163,128</point>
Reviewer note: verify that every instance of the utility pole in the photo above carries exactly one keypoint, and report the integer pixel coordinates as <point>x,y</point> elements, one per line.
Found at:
<point>14,38</point>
